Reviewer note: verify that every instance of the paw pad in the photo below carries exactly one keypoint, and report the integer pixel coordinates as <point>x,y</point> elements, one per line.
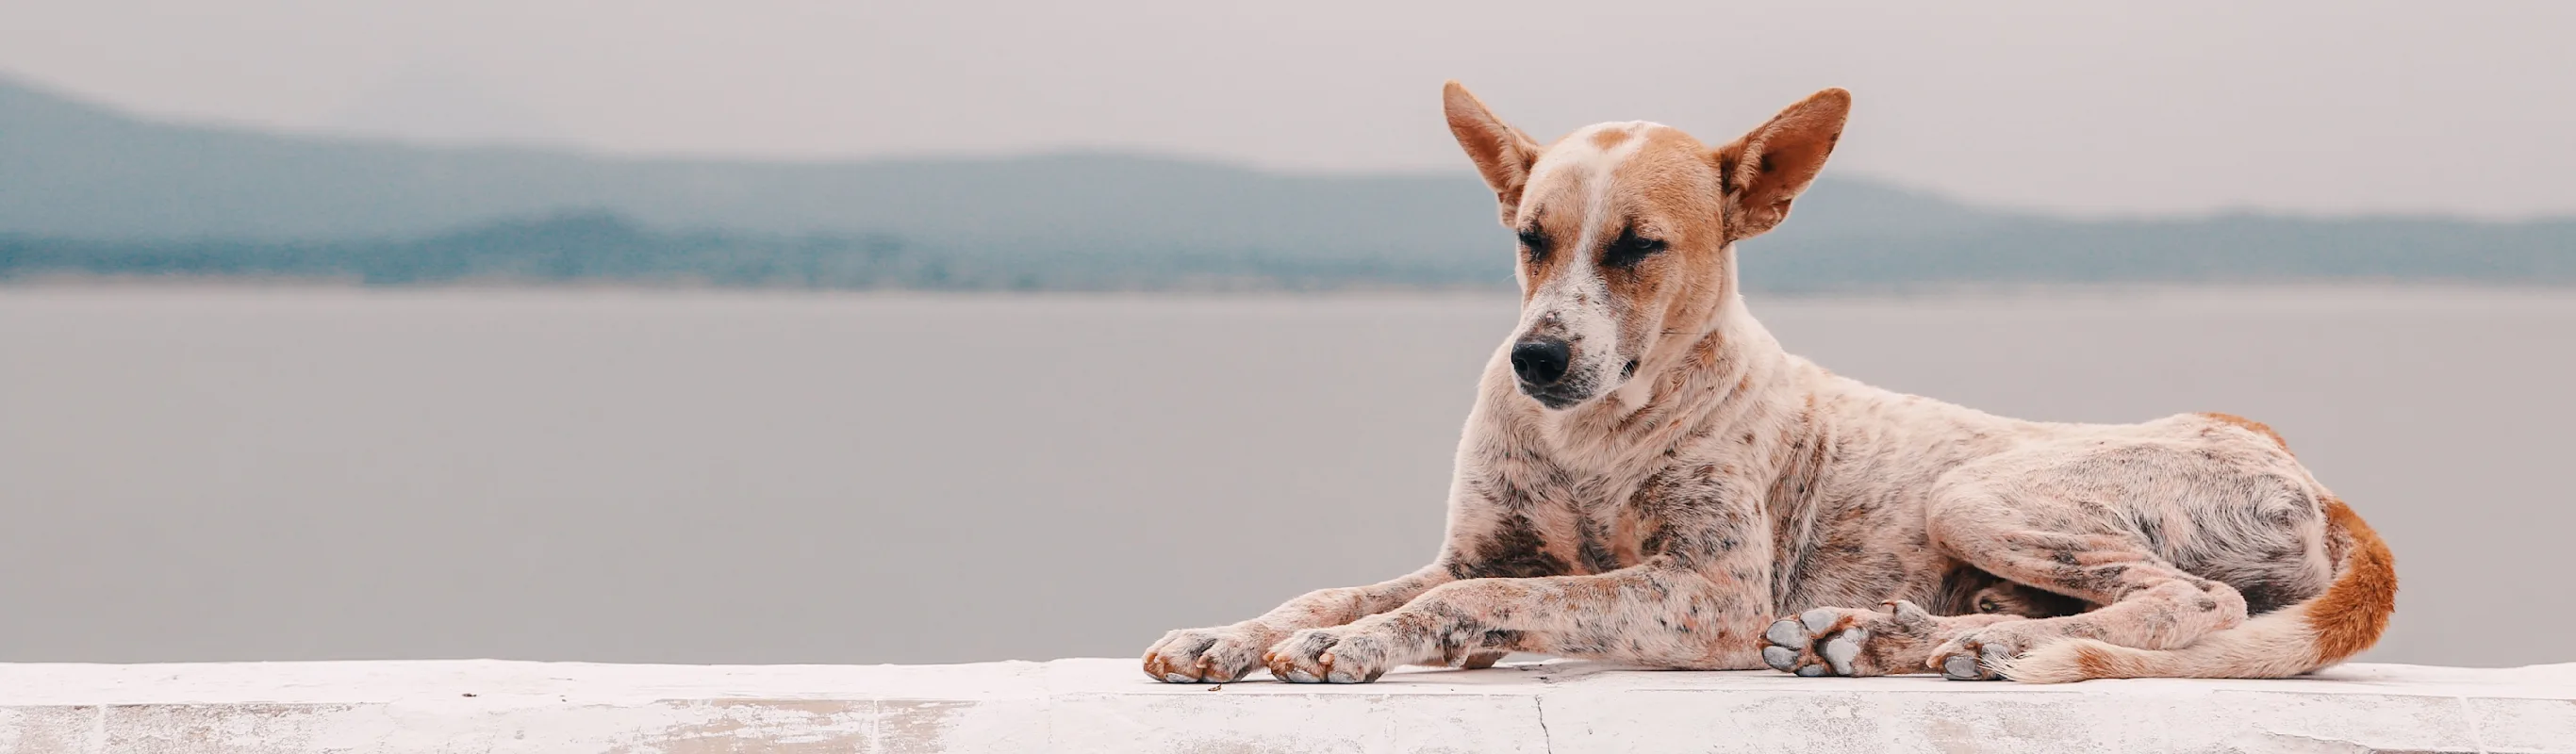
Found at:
<point>1818,642</point>
<point>1976,656</point>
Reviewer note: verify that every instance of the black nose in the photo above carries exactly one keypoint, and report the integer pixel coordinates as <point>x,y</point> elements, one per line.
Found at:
<point>1541,363</point>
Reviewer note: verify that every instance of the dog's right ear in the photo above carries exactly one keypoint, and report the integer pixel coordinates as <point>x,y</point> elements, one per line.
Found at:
<point>1502,153</point>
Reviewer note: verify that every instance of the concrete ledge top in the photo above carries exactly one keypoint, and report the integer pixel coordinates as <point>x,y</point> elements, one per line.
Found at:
<point>1108,705</point>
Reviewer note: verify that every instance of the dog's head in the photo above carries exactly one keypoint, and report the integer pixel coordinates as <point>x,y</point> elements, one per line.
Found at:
<point>1626,230</point>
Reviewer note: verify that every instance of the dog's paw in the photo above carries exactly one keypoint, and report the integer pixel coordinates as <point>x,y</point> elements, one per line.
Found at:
<point>1983,654</point>
<point>1843,641</point>
<point>1205,655</point>
<point>1345,654</point>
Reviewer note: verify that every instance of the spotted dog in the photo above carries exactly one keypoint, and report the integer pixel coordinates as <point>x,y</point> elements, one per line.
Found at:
<point>1648,478</point>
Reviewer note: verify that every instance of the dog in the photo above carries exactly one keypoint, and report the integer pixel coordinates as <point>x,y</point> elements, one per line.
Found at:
<point>1648,478</point>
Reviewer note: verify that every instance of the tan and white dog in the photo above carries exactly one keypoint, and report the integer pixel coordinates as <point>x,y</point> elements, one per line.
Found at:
<point>1648,478</point>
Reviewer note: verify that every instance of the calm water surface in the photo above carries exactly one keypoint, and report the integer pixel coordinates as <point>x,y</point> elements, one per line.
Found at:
<point>195,474</point>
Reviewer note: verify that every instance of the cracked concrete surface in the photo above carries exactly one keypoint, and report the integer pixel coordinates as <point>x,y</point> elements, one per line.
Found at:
<point>1086,705</point>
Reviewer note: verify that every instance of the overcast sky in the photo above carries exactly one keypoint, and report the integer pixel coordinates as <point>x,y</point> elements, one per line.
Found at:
<point>2332,106</point>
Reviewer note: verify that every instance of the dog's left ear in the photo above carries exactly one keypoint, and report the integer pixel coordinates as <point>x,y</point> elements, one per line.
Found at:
<point>1766,169</point>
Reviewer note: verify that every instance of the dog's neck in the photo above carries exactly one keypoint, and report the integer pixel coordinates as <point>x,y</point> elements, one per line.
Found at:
<point>1724,339</point>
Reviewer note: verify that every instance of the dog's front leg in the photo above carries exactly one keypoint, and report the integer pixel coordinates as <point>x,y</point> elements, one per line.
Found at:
<point>1226,653</point>
<point>1661,613</point>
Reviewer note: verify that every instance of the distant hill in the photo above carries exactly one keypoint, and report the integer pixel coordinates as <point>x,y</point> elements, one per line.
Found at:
<point>84,189</point>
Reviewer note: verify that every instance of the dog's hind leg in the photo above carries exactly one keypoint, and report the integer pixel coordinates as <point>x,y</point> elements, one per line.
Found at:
<point>2146,601</point>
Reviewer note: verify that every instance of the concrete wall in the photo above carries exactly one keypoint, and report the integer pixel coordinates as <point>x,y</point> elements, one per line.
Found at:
<point>1107,705</point>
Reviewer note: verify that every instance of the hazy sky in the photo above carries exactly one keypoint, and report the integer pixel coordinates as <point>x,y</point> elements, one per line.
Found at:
<point>2334,106</point>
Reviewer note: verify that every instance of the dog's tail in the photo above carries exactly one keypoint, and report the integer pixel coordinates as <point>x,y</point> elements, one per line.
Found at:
<point>2313,634</point>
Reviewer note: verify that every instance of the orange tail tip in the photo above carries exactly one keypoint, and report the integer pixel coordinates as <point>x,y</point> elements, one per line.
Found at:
<point>2353,612</point>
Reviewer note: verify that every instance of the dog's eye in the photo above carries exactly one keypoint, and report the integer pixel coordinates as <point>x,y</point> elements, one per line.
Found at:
<point>1534,242</point>
<point>1630,249</point>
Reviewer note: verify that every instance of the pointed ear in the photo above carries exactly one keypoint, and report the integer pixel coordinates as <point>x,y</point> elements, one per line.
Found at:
<point>1502,153</point>
<point>1767,169</point>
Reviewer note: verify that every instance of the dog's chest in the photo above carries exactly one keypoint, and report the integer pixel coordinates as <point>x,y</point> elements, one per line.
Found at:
<point>1557,522</point>
<point>1603,529</point>
<point>1559,502</point>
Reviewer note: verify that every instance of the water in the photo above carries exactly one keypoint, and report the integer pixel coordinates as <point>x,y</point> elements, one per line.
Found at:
<point>210,474</point>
